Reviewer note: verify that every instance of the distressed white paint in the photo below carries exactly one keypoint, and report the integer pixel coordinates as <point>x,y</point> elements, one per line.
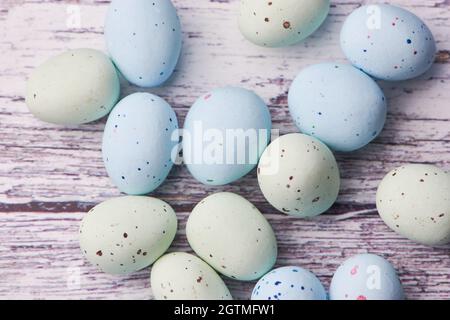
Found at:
<point>48,174</point>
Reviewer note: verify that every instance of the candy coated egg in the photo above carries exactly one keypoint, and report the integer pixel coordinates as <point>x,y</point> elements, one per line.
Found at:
<point>182,276</point>
<point>366,277</point>
<point>414,201</point>
<point>282,22</point>
<point>232,236</point>
<point>126,234</point>
<point>337,104</point>
<point>140,143</point>
<point>144,40</point>
<point>388,42</point>
<point>299,176</point>
<point>225,133</point>
<point>289,283</point>
<point>75,87</point>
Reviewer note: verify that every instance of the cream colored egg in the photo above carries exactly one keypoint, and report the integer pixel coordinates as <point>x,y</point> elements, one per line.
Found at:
<point>126,234</point>
<point>299,175</point>
<point>78,86</point>
<point>232,236</point>
<point>414,201</point>
<point>182,276</point>
<point>279,23</point>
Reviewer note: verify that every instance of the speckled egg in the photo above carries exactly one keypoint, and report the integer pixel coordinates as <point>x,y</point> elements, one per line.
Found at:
<point>76,87</point>
<point>144,40</point>
<point>366,277</point>
<point>414,201</point>
<point>282,22</point>
<point>289,283</point>
<point>338,104</point>
<point>182,276</point>
<point>140,143</point>
<point>388,42</point>
<point>126,234</point>
<point>225,133</point>
<point>232,236</point>
<point>299,176</point>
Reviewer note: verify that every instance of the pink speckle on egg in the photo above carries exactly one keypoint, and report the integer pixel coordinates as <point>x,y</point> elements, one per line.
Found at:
<point>208,96</point>
<point>361,297</point>
<point>354,270</point>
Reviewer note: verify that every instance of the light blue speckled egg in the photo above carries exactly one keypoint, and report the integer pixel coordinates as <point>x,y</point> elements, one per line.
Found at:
<point>225,133</point>
<point>388,42</point>
<point>289,283</point>
<point>139,143</point>
<point>144,40</point>
<point>366,277</point>
<point>338,104</point>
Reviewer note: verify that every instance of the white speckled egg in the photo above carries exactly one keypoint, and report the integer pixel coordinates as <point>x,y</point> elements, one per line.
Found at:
<point>182,276</point>
<point>282,22</point>
<point>126,234</point>
<point>140,143</point>
<point>414,201</point>
<point>299,175</point>
<point>232,236</point>
<point>225,133</point>
<point>289,283</point>
<point>388,42</point>
<point>337,104</point>
<point>76,87</point>
<point>366,277</point>
<point>144,40</point>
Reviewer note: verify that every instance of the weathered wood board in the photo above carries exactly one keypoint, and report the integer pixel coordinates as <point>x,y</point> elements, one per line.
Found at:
<point>50,175</point>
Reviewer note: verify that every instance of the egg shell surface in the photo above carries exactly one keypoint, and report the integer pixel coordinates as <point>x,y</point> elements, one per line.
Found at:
<point>144,40</point>
<point>337,104</point>
<point>225,133</point>
<point>183,276</point>
<point>299,176</point>
<point>366,277</point>
<point>232,236</point>
<point>282,22</point>
<point>126,234</point>
<point>388,42</point>
<point>140,142</point>
<point>75,87</point>
<point>414,201</point>
<point>289,283</point>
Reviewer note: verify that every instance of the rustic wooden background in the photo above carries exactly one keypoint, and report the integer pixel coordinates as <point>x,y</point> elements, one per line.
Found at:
<point>51,175</point>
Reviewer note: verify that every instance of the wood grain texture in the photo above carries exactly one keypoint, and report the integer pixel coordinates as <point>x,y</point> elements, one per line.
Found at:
<point>50,175</point>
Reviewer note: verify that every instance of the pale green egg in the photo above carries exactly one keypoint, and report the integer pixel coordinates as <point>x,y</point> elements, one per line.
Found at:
<point>232,236</point>
<point>76,87</point>
<point>414,201</point>
<point>281,23</point>
<point>183,276</point>
<point>126,234</point>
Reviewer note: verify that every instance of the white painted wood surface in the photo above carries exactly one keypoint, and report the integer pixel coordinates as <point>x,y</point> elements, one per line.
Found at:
<point>51,175</point>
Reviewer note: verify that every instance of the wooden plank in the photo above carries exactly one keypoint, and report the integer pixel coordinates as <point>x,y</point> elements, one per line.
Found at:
<point>40,255</point>
<point>50,175</point>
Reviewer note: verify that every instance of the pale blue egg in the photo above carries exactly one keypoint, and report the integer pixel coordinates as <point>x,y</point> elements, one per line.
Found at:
<point>366,277</point>
<point>144,40</point>
<point>140,142</point>
<point>388,42</point>
<point>289,283</point>
<point>337,104</point>
<point>225,133</point>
